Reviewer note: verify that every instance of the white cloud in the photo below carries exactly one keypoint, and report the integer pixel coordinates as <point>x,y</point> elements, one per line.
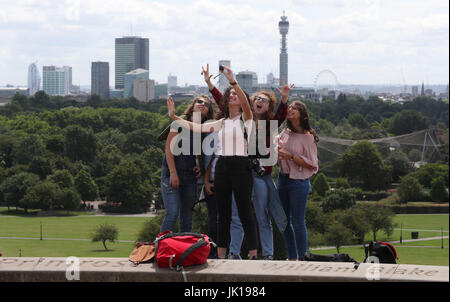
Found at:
<point>359,39</point>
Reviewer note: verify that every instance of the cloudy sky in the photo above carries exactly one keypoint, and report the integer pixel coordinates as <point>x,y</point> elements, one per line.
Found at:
<point>361,41</point>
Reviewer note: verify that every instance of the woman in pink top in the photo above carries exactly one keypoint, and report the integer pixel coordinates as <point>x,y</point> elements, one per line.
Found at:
<point>297,154</point>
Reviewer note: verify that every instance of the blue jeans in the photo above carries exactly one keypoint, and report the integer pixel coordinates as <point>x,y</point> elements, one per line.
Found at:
<point>293,196</point>
<point>262,193</point>
<point>178,202</point>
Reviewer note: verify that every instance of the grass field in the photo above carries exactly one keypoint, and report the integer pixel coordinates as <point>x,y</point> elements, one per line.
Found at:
<point>79,227</point>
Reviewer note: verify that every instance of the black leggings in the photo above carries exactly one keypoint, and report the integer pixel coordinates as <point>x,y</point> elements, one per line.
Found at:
<point>233,175</point>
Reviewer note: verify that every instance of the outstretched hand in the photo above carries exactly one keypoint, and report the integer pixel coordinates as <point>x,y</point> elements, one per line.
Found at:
<point>206,74</point>
<point>171,107</point>
<point>228,73</point>
<point>285,89</point>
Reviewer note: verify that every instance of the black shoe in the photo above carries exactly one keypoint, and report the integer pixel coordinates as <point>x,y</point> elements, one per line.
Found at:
<point>268,257</point>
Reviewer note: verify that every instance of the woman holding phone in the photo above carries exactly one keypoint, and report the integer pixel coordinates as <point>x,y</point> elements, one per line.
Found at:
<point>232,172</point>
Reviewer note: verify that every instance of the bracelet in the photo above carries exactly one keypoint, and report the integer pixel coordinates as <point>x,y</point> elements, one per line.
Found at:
<point>234,83</point>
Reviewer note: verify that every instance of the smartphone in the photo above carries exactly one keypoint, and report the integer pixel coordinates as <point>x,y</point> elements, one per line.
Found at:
<point>221,68</point>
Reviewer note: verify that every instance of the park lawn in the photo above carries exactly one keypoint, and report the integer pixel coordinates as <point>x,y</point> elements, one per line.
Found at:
<point>407,255</point>
<point>63,248</point>
<point>427,226</point>
<point>435,243</point>
<point>76,227</point>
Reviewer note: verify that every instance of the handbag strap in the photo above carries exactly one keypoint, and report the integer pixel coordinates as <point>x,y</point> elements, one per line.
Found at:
<point>190,250</point>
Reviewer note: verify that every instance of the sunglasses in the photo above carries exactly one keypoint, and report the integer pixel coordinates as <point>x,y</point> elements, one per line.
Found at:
<point>260,99</point>
<point>207,104</point>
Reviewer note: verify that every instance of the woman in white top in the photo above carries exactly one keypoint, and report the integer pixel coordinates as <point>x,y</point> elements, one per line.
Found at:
<point>233,174</point>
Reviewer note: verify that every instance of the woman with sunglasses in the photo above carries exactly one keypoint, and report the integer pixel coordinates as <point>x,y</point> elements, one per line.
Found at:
<point>180,173</point>
<point>297,153</point>
<point>232,171</point>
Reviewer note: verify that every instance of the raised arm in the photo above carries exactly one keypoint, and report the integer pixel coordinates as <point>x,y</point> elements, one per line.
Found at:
<point>217,95</point>
<point>205,127</point>
<point>246,109</point>
<point>281,113</point>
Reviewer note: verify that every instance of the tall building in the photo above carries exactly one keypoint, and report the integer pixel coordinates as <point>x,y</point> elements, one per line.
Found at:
<point>144,89</point>
<point>172,81</point>
<point>415,90</point>
<point>161,91</point>
<point>422,91</point>
<point>100,79</point>
<point>131,53</point>
<point>222,83</point>
<point>283,25</point>
<point>55,80</point>
<point>246,81</point>
<point>34,79</point>
<point>129,80</point>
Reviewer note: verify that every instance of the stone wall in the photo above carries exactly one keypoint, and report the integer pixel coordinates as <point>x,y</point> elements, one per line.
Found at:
<point>122,270</point>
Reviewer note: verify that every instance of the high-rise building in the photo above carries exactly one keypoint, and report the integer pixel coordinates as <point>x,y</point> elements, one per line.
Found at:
<point>129,80</point>
<point>246,81</point>
<point>283,25</point>
<point>131,53</point>
<point>422,91</point>
<point>161,91</point>
<point>415,90</point>
<point>100,79</point>
<point>55,80</point>
<point>144,89</point>
<point>172,81</point>
<point>34,79</point>
<point>222,83</point>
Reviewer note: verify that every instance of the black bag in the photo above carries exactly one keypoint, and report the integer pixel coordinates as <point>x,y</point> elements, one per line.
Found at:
<point>385,252</point>
<point>328,258</point>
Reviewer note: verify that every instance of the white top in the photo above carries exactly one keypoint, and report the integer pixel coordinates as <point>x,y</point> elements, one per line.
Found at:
<point>231,137</point>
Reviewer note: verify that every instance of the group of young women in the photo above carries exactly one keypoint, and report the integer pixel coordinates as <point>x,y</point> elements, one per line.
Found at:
<point>232,178</point>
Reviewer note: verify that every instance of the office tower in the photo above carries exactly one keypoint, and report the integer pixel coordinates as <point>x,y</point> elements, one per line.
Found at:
<point>129,79</point>
<point>422,92</point>
<point>131,53</point>
<point>34,79</point>
<point>55,80</point>
<point>172,81</point>
<point>415,90</point>
<point>270,77</point>
<point>283,25</point>
<point>100,79</point>
<point>245,79</point>
<point>222,83</point>
<point>144,89</point>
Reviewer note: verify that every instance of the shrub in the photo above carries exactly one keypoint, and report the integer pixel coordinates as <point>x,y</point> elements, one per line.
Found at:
<point>409,189</point>
<point>342,183</point>
<point>438,191</point>
<point>320,184</point>
<point>339,199</point>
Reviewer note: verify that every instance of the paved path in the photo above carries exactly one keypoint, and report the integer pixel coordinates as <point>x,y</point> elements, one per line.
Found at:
<point>408,240</point>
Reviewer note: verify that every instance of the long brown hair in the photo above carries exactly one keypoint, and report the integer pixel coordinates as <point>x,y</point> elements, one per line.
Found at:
<point>304,120</point>
<point>190,110</point>
<point>272,102</point>
<point>225,113</point>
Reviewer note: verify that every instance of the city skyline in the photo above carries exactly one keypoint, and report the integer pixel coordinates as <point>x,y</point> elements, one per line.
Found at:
<point>363,42</point>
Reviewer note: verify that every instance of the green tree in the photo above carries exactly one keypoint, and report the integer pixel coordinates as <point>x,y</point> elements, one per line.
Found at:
<point>105,232</point>
<point>41,166</point>
<point>438,191</point>
<point>428,172</point>
<point>27,147</point>
<point>379,218</point>
<point>409,189</point>
<point>400,163</point>
<point>86,186</point>
<point>342,183</point>
<point>320,184</point>
<point>362,164</point>
<point>14,188</point>
<point>354,219</point>
<point>80,144</point>
<point>414,155</point>
<point>408,121</point>
<point>358,121</point>
<point>69,199</point>
<point>337,235</point>
<point>43,196</point>
<point>126,185</point>
<point>62,178</point>
<point>339,199</point>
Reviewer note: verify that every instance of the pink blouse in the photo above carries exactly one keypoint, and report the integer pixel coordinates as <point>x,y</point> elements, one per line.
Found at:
<point>300,145</point>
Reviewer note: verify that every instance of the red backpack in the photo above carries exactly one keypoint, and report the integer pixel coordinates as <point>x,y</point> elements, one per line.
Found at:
<point>176,250</point>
